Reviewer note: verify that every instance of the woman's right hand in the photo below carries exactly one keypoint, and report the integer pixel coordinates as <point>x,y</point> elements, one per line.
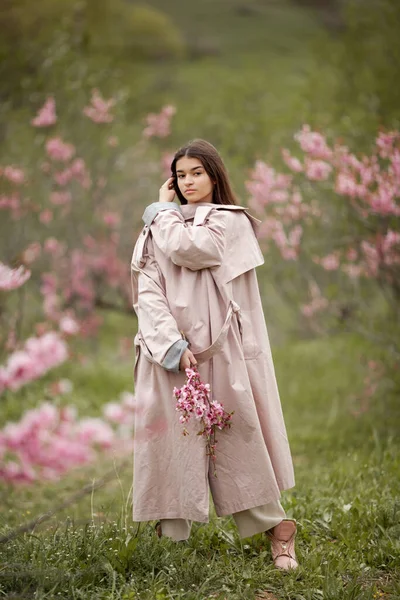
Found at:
<point>187,360</point>
<point>167,191</point>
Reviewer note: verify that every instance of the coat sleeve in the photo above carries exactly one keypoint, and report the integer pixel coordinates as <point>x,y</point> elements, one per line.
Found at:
<point>157,327</point>
<point>193,247</point>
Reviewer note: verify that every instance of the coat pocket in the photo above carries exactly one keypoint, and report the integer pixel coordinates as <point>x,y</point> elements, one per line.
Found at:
<point>145,349</point>
<point>249,343</point>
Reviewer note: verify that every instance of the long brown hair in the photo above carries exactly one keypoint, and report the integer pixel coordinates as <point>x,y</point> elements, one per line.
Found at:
<point>214,166</point>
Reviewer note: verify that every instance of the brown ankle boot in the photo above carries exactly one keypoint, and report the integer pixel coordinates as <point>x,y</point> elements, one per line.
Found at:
<point>282,544</point>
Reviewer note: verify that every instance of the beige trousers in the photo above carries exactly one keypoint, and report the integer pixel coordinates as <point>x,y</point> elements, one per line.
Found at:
<point>249,522</point>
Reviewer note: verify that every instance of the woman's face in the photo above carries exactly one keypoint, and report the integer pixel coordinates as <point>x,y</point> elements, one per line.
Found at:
<point>193,180</point>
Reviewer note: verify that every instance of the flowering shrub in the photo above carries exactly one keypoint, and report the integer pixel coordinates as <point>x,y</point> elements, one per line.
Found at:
<point>335,210</point>
<point>81,265</point>
<point>38,355</point>
<point>193,399</point>
<point>49,441</point>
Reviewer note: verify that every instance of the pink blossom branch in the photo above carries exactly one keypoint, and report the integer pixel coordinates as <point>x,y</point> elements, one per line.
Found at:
<point>11,279</point>
<point>193,399</point>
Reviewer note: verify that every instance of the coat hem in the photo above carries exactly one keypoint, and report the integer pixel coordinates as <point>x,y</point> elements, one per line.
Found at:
<point>224,510</point>
<point>221,510</point>
<point>157,516</point>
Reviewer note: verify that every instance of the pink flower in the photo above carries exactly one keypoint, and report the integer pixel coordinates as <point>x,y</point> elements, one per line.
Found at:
<point>46,216</point>
<point>159,124</point>
<point>114,412</point>
<point>95,431</point>
<point>18,370</point>
<point>77,170</point>
<point>122,413</point>
<point>267,187</point>
<point>60,198</point>
<point>63,177</point>
<point>317,170</point>
<point>351,254</point>
<point>383,201</point>
<point>68,325</point>
<point>48,351</point>
<point>295,236</point>
<point>11,279</point>
<point>371,257</point>
<point>293,163</point>
<point>390,247</point>
<point>53,246</point>
<point>38,356</point>
<point>98,110</point>
<point>329,262</point>
<point>113,141</point>
<point>313,143</point>
<point>12,202</point>
<point>48,441</point>
<point>59,150</point>
<point>385,143</point>
<point>128,400</point>
<point>46,115</point>
<point>111,219</point>
<point>14,174</point>
<point>318,302</point>
<point>194,399</point>
<point>346,185</point>
<point>80,172</point>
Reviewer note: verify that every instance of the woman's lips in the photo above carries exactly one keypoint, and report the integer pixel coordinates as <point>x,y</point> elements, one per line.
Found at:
<point>189,191</point>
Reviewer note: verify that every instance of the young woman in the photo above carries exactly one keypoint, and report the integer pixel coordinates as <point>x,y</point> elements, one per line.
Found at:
<point>196,296</point>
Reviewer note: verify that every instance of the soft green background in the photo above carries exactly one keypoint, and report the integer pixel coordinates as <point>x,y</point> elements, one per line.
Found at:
<point>245,75</point>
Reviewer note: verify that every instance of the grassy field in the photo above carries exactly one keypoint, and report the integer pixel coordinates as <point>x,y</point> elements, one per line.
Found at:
<point>346,501</point>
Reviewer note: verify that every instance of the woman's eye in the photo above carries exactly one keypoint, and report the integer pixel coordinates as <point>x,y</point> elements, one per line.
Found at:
<point>197,173</point>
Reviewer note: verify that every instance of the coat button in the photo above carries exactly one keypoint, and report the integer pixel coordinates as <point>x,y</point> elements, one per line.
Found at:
<point>144,232</point>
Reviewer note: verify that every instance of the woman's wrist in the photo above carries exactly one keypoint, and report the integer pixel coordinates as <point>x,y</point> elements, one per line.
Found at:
<point>167,191</point>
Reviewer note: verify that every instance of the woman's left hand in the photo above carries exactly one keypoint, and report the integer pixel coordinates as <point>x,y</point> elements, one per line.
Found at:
<point>167,192</point>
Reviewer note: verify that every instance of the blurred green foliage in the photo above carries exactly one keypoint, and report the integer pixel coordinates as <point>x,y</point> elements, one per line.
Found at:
<point>131,31</point>
<point>41,43</point>
<point>355,85</point>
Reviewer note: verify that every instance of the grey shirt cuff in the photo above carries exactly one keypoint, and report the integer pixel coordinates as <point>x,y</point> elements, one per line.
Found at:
<point>173,356</point>
<point>153,209</point>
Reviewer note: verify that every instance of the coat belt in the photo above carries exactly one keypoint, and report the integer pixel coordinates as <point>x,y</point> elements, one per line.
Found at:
<point>209,352</point>
<point>216,346</point>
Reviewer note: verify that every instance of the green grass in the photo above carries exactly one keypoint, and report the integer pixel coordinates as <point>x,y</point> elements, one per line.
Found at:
<point>346,501</point>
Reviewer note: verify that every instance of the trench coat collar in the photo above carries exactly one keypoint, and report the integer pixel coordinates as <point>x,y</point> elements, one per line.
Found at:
<point>189,210</point>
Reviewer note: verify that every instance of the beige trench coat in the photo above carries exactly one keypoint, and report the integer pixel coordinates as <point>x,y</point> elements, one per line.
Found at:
<point>193,274</point>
